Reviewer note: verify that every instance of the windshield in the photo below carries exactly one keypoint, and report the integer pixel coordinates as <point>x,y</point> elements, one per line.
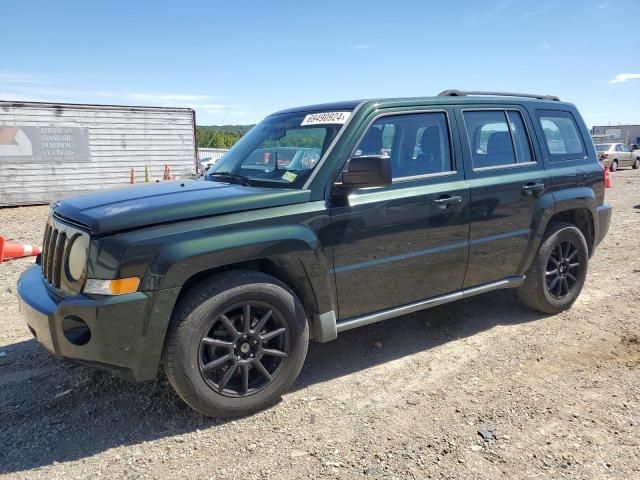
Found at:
<point>603,147</point>
<point>280,151</point>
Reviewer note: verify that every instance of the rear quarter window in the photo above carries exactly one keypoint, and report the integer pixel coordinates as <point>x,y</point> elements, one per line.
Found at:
<point>561,134</point>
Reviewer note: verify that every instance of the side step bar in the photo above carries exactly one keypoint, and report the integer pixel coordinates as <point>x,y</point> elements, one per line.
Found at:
<point>510,282</point>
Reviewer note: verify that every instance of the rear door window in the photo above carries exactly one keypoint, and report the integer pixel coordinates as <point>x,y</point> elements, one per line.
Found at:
<point>497,138</point>
<point>520,137</point>
<point>562,137</point>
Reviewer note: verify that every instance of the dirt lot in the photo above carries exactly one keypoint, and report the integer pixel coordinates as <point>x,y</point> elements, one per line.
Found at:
<point>555,396</point>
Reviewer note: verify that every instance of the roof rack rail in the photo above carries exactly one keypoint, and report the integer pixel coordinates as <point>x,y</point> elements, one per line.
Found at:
<point>461,93</point>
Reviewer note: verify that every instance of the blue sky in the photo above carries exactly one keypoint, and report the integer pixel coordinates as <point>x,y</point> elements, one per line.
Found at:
<point>237,61</point>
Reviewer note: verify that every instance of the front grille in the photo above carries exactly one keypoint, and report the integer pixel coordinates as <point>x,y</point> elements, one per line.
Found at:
<point>57,236</point>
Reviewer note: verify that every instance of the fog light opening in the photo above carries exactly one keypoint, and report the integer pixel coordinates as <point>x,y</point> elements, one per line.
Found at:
<point>76,330</point>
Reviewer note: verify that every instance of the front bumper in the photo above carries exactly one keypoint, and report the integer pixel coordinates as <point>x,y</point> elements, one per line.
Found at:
<point>126,332</point>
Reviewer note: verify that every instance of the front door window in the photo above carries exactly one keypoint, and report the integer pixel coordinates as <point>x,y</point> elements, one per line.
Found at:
<point>417,144</point>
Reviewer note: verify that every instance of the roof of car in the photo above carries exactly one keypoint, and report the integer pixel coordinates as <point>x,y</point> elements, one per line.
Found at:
<point>324,107</point>
<point>437,100</point>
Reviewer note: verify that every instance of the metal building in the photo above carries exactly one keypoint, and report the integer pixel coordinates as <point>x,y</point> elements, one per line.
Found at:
<point>616,134</point>
<point>52,150</point>
<point>211,153</point>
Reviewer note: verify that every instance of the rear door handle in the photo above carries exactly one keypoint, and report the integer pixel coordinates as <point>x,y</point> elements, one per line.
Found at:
<point>531,188</point>
<point>444,202</point>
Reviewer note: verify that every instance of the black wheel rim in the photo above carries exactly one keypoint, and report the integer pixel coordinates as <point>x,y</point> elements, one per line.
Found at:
<point>563,269</point>
<point>243,349</point>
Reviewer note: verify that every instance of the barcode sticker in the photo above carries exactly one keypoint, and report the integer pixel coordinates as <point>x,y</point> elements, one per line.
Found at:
<point>324,118</point>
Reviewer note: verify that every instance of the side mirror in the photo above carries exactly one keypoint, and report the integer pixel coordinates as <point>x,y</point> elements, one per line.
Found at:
<point>367,171</point>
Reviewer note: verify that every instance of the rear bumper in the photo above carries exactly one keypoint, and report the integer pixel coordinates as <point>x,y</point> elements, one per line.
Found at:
<point>126,332</point>
<point>603,221</point>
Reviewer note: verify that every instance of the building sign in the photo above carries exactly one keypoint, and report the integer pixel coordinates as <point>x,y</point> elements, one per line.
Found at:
<point>44,144</point>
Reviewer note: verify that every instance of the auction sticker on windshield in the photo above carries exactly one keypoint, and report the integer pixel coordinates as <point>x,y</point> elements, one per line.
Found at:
<point>325,118</point>
<point>289,176</point>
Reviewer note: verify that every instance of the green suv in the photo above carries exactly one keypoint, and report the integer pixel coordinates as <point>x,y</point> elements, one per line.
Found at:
<point>321,219</point>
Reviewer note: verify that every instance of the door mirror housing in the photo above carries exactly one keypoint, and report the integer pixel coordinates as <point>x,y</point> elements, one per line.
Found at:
<point>367,171</point>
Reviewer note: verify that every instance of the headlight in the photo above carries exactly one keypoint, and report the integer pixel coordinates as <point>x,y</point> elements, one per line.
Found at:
<point>77,258</point>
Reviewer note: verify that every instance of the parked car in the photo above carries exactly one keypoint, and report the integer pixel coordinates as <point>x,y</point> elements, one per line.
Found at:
<point>614,155</point>
<point>204,164</point>
<point>224,282</point>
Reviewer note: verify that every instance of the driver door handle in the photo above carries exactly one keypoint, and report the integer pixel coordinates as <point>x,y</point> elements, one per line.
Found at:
<point>445,201</point>
<point>530,188</point>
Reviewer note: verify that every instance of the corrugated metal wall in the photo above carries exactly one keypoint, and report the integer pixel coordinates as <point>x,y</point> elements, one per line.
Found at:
<point>617,133</point>
<point>212,153</point>
<point>48,151</point>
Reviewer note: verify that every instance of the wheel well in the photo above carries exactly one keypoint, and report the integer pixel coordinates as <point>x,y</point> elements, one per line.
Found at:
<point>581,218</point>
<point>263,265</point>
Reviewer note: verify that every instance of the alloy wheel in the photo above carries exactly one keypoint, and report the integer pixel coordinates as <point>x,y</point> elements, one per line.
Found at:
<point>563,269</point>
<point>244,349</point>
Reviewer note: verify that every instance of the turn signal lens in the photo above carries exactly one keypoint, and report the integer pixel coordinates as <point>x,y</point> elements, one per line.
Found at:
<point>119,286</point>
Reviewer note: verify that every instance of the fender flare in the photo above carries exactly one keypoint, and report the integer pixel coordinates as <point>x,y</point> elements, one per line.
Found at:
<point>550,205</point>
<point>293,249</point>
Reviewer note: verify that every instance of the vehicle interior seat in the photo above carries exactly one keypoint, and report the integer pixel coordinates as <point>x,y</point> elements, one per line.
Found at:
<point>499,151</point>
<point>430,160</point>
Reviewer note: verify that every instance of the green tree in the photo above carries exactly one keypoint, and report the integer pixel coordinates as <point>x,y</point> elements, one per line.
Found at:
<point>222,136</point>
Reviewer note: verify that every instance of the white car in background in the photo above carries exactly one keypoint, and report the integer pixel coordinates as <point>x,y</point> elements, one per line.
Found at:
<point>614,155</point>
<point>204,164</point>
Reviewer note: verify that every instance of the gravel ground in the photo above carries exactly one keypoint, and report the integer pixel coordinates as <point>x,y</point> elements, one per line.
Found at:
<point>479,389</point>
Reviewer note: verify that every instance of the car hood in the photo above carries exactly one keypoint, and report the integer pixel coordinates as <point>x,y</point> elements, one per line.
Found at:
<point>157,203</point>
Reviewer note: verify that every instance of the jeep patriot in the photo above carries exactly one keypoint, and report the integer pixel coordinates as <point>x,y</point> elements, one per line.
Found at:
<point>319,220</point>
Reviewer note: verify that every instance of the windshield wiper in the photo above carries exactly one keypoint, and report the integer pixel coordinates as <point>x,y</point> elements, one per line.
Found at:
<point>234,177</point>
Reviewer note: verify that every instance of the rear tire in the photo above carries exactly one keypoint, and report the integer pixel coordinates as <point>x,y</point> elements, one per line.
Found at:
<point>558,272</point>
<point>614,166</point>
<point>237,341</point>
<point>636,164</point>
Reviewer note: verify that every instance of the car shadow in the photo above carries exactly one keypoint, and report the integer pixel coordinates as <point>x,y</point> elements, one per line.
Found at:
<point>382,342</point>
<point>55,411</point>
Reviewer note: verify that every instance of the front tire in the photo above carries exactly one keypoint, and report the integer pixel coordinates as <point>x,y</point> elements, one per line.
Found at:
<point>558,272</point>
<point>614,166</point>
<point>236,343</point>
<point>636,164</point>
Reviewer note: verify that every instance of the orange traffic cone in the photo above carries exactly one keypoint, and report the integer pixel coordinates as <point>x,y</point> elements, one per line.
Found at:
<point>133,176</point>
<point>9,250</point>
<point>607,178</point>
